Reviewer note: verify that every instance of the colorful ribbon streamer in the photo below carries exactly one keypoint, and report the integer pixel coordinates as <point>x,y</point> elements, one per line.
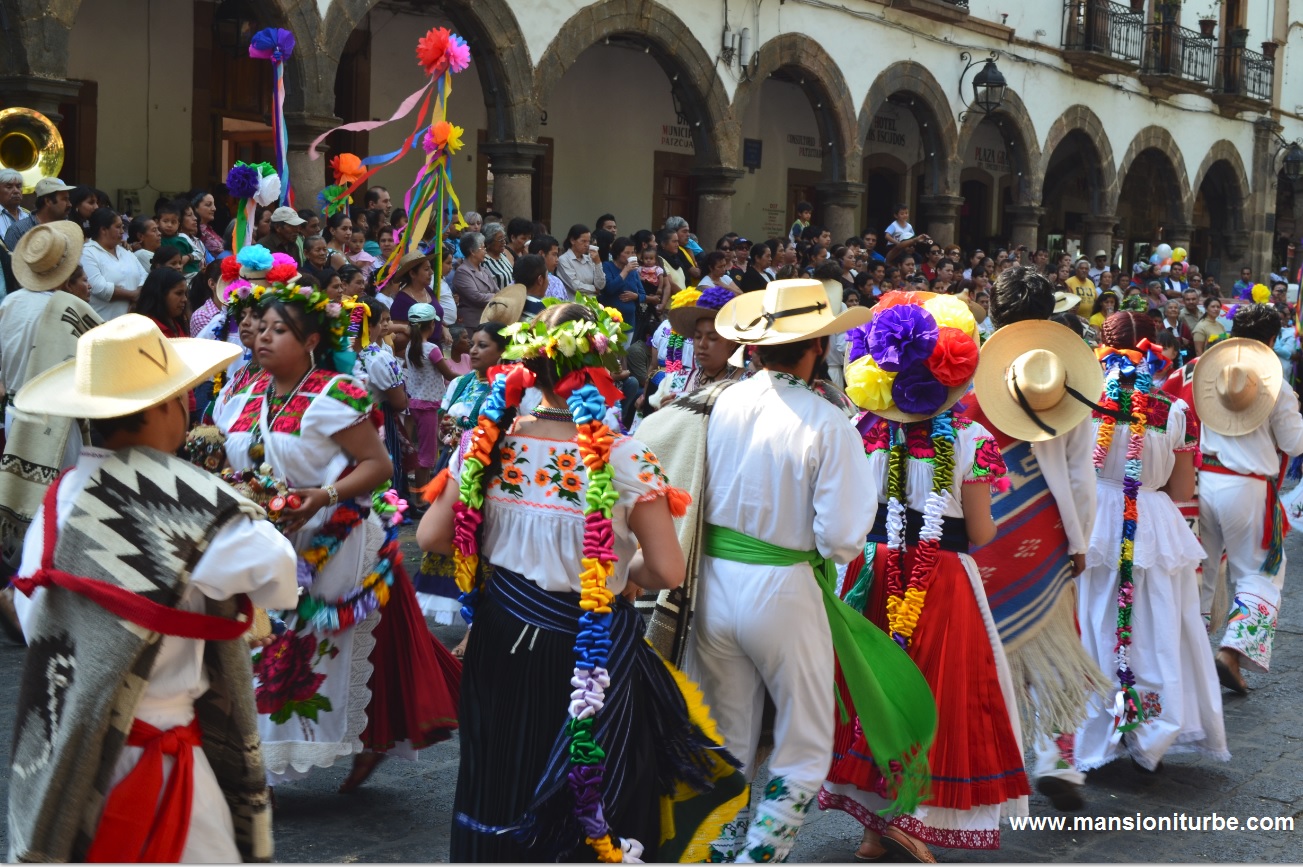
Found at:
<point>277,44</point>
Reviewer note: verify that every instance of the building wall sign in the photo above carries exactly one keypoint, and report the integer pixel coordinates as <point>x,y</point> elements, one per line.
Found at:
<point>677,137</point>
<point>806,146</point>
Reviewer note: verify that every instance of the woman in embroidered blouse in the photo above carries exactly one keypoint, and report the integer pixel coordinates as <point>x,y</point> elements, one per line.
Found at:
<point>310,425</point>
<point>976,760</point>
<point>515,696</point>
<point>1168,656</point>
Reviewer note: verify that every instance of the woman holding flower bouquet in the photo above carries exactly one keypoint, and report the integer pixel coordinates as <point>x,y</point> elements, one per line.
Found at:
<point>355,670</point>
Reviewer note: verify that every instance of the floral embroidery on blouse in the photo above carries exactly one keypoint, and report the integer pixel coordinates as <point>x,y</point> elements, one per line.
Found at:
<point>649,468</point>
<point>374,352</point>
<point>1153,707</point>
<point>877,438</point>
<point>252,406</point>
<point>350,394</point>
<point>988,463</point>
<point>512,479</point>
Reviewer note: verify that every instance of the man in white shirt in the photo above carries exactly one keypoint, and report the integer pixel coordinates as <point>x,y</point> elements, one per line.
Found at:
<point>784,468</point>
<point>1248,418</point>
<point>11,199</point>
<point>1100,266</point>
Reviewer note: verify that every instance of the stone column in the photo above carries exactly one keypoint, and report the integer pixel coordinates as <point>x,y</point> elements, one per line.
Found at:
<point>942,217</point>
<point>840,202</point>
<point>1025,227</point>
<point>1098,235</point>
<point>1262,198</point>
<point>715,189</point>
<point>308,177</point>
<point>1238,244</point>
<point>512,164</point>
<point>42,94</point>
<point>1179,235</point>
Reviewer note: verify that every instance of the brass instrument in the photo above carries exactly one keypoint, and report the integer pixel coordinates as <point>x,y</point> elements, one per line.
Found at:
<point>30,143</point>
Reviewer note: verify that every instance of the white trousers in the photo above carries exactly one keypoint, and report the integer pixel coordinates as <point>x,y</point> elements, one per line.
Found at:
<point>1232,510</point>
<point>758,628</point>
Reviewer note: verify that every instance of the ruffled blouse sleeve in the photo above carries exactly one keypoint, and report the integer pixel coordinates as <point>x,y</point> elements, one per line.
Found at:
<point>639,477</point>
<point>341,404</point>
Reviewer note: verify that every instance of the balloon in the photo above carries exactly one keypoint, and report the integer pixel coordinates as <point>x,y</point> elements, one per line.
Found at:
<point>1179,254</point>
<point>1154,260</point>
<point>1164,251</point>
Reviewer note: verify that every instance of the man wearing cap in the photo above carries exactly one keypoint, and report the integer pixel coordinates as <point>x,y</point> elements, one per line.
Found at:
<point>1045,518</point>
<point>1247,421</point>
<point>51,204</point>
<point>286,236</point>
<point>779,480</point>
<point>39,327</point>
<point>136,627</point>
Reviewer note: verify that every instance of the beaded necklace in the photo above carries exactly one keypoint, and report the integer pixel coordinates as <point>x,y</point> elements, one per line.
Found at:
<point>905,602</point>
<point>1128,710</point>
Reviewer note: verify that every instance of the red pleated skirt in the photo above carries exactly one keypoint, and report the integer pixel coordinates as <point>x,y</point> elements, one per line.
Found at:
<point>975,758</point>
<point>415,683</point>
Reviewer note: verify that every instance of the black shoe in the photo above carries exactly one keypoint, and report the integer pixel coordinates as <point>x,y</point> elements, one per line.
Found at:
<point>1066,797</point>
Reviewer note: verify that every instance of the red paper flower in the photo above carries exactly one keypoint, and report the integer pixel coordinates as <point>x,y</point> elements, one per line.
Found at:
<point>893,299</point>
<point>954,358</point>
<point>281,272</point>
<point>230,269</point>
<point>432,48</point>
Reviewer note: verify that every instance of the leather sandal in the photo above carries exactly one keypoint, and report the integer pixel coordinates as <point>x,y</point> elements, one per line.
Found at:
<point>1229,678</point>
<point>364,765</point>
<point>866,854</point>
<point>905,849</point>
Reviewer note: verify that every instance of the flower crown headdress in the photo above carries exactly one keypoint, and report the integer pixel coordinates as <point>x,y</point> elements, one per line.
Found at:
<point>573,345</point>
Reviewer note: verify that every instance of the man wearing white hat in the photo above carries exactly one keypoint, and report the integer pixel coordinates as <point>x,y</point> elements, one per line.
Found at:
<point>135,624</point>
<point>39,327</point>
<point>51,204</point>
<point>1248,420</point>
<point>1024,386</point>
<point>780,495</point>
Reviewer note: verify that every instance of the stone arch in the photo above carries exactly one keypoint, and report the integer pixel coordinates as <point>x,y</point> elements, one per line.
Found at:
<point>1223,151</point>
<point>1015,123</point>
<point>803,60</point>
<point>930,106</point>
<point>676,49</point>
<point>1157,138</point>
<point>34,36</point>
<point>1085,124</point>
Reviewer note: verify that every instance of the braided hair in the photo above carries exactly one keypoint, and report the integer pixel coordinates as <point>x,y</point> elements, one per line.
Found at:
<point>1126,329</point>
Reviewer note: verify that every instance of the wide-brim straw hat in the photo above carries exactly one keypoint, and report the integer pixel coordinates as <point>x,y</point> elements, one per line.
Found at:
<point>506,307</point>
<point>1042,360</point>
<point>787,311</point>
<point>45,257</point>
<point>122,367</point>
<point>1066,302</point>
<point>1236,383</point>
<point>410,261</point>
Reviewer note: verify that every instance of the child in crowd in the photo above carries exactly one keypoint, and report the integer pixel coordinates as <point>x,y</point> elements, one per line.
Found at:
<point>385,378</point>
<point>804,211</point>
<point>428,374</point>
<point>169,219</point>
<point>459,352</point>
<point>900,230</point>
<point>143,237</point>
<point>190,234</point>
<point>358,256</point>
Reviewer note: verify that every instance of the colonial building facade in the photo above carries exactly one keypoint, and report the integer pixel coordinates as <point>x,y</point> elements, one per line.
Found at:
<point>1121,124</point>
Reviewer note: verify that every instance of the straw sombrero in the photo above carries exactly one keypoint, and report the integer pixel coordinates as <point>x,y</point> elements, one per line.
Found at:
<point>408,262</point>
<point>45,257</point>
<point>123,366</point>
<point>690,306</point>
<point>1065,302</point>
<point>915,358</point>
<point>505,307</point>
<point>1029,372</point>
<point>1236,383</point>
<point>786,312</point>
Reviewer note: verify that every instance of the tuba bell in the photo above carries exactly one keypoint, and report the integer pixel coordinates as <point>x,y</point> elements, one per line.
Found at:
<point>30,143</point>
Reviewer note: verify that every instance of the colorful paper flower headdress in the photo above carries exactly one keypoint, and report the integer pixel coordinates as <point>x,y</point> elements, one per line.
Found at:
<point>915,358</point>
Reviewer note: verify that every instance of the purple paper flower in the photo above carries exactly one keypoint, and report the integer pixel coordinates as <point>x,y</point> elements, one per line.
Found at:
<point>272,43</point>
<point>916,390</point>
<point>242,181</point>
<point>714,297</point>
<point>902,337</point>
<point>857,343</point>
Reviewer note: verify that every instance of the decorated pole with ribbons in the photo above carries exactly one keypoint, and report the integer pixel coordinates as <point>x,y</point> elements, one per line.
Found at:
<point>277,44</point>
<point>251,185</point>
<point>442,54</point>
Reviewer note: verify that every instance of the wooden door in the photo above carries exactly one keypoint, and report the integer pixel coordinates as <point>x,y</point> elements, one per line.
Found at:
<point>675,190</point>
<point>801,187</point>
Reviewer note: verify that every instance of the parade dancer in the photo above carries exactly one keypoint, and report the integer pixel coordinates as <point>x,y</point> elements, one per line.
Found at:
<point>1249,420</point>
<point>577,739</point>
<point>1034,390</point>
<point>779,476</point>
<point>136,687</point>
<point>934,470</point>
<point>1137,606</point>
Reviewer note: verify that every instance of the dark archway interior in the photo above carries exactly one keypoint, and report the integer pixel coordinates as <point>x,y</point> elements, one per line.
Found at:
<point>1218,210</point>
<point>1150,202</point>
<point>1074,185</point>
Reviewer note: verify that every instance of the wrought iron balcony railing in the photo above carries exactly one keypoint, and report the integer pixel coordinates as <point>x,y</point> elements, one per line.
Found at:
<point>1104,28</point>
<point>1179,52</point>
<point>1246,73</point>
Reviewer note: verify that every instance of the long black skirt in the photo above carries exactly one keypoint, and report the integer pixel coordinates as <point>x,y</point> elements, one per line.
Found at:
<point>514,702</point>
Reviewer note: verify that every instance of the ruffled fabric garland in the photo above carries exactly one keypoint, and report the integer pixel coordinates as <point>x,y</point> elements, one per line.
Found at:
<point>591,679</point>
<point>905,602</point>
<point>1128,709</point>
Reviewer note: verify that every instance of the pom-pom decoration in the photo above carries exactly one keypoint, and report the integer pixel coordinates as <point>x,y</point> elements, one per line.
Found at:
<point>954,359</point>
<point>256,260</point>
<point>242,181</point>
<point>277,44</point>
<point>1261,294</point>
<point>902,336</point>
<point>230,269</point>
<point>950,311</point>
<point>917,391</point>
<point>245,183</point>
<point>869,385</point>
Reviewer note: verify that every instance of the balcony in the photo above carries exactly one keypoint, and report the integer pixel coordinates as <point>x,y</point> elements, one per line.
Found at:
<point>1101,37</point>
<point>1244,79</point>
<point>1177,60</point>
<point>937,10</point>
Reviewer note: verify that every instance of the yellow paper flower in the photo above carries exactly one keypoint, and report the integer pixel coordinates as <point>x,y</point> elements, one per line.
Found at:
<point>686,298</point>
<point>1261,294</point>
<point>951,311</point>
<point>869,385</point>
<point>454,138</point>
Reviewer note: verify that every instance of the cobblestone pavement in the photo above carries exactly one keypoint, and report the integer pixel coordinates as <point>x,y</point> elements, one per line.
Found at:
<point>403,812</point>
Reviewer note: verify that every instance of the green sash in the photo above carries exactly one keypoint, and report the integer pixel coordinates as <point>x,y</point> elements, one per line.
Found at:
<point>894,702</point>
